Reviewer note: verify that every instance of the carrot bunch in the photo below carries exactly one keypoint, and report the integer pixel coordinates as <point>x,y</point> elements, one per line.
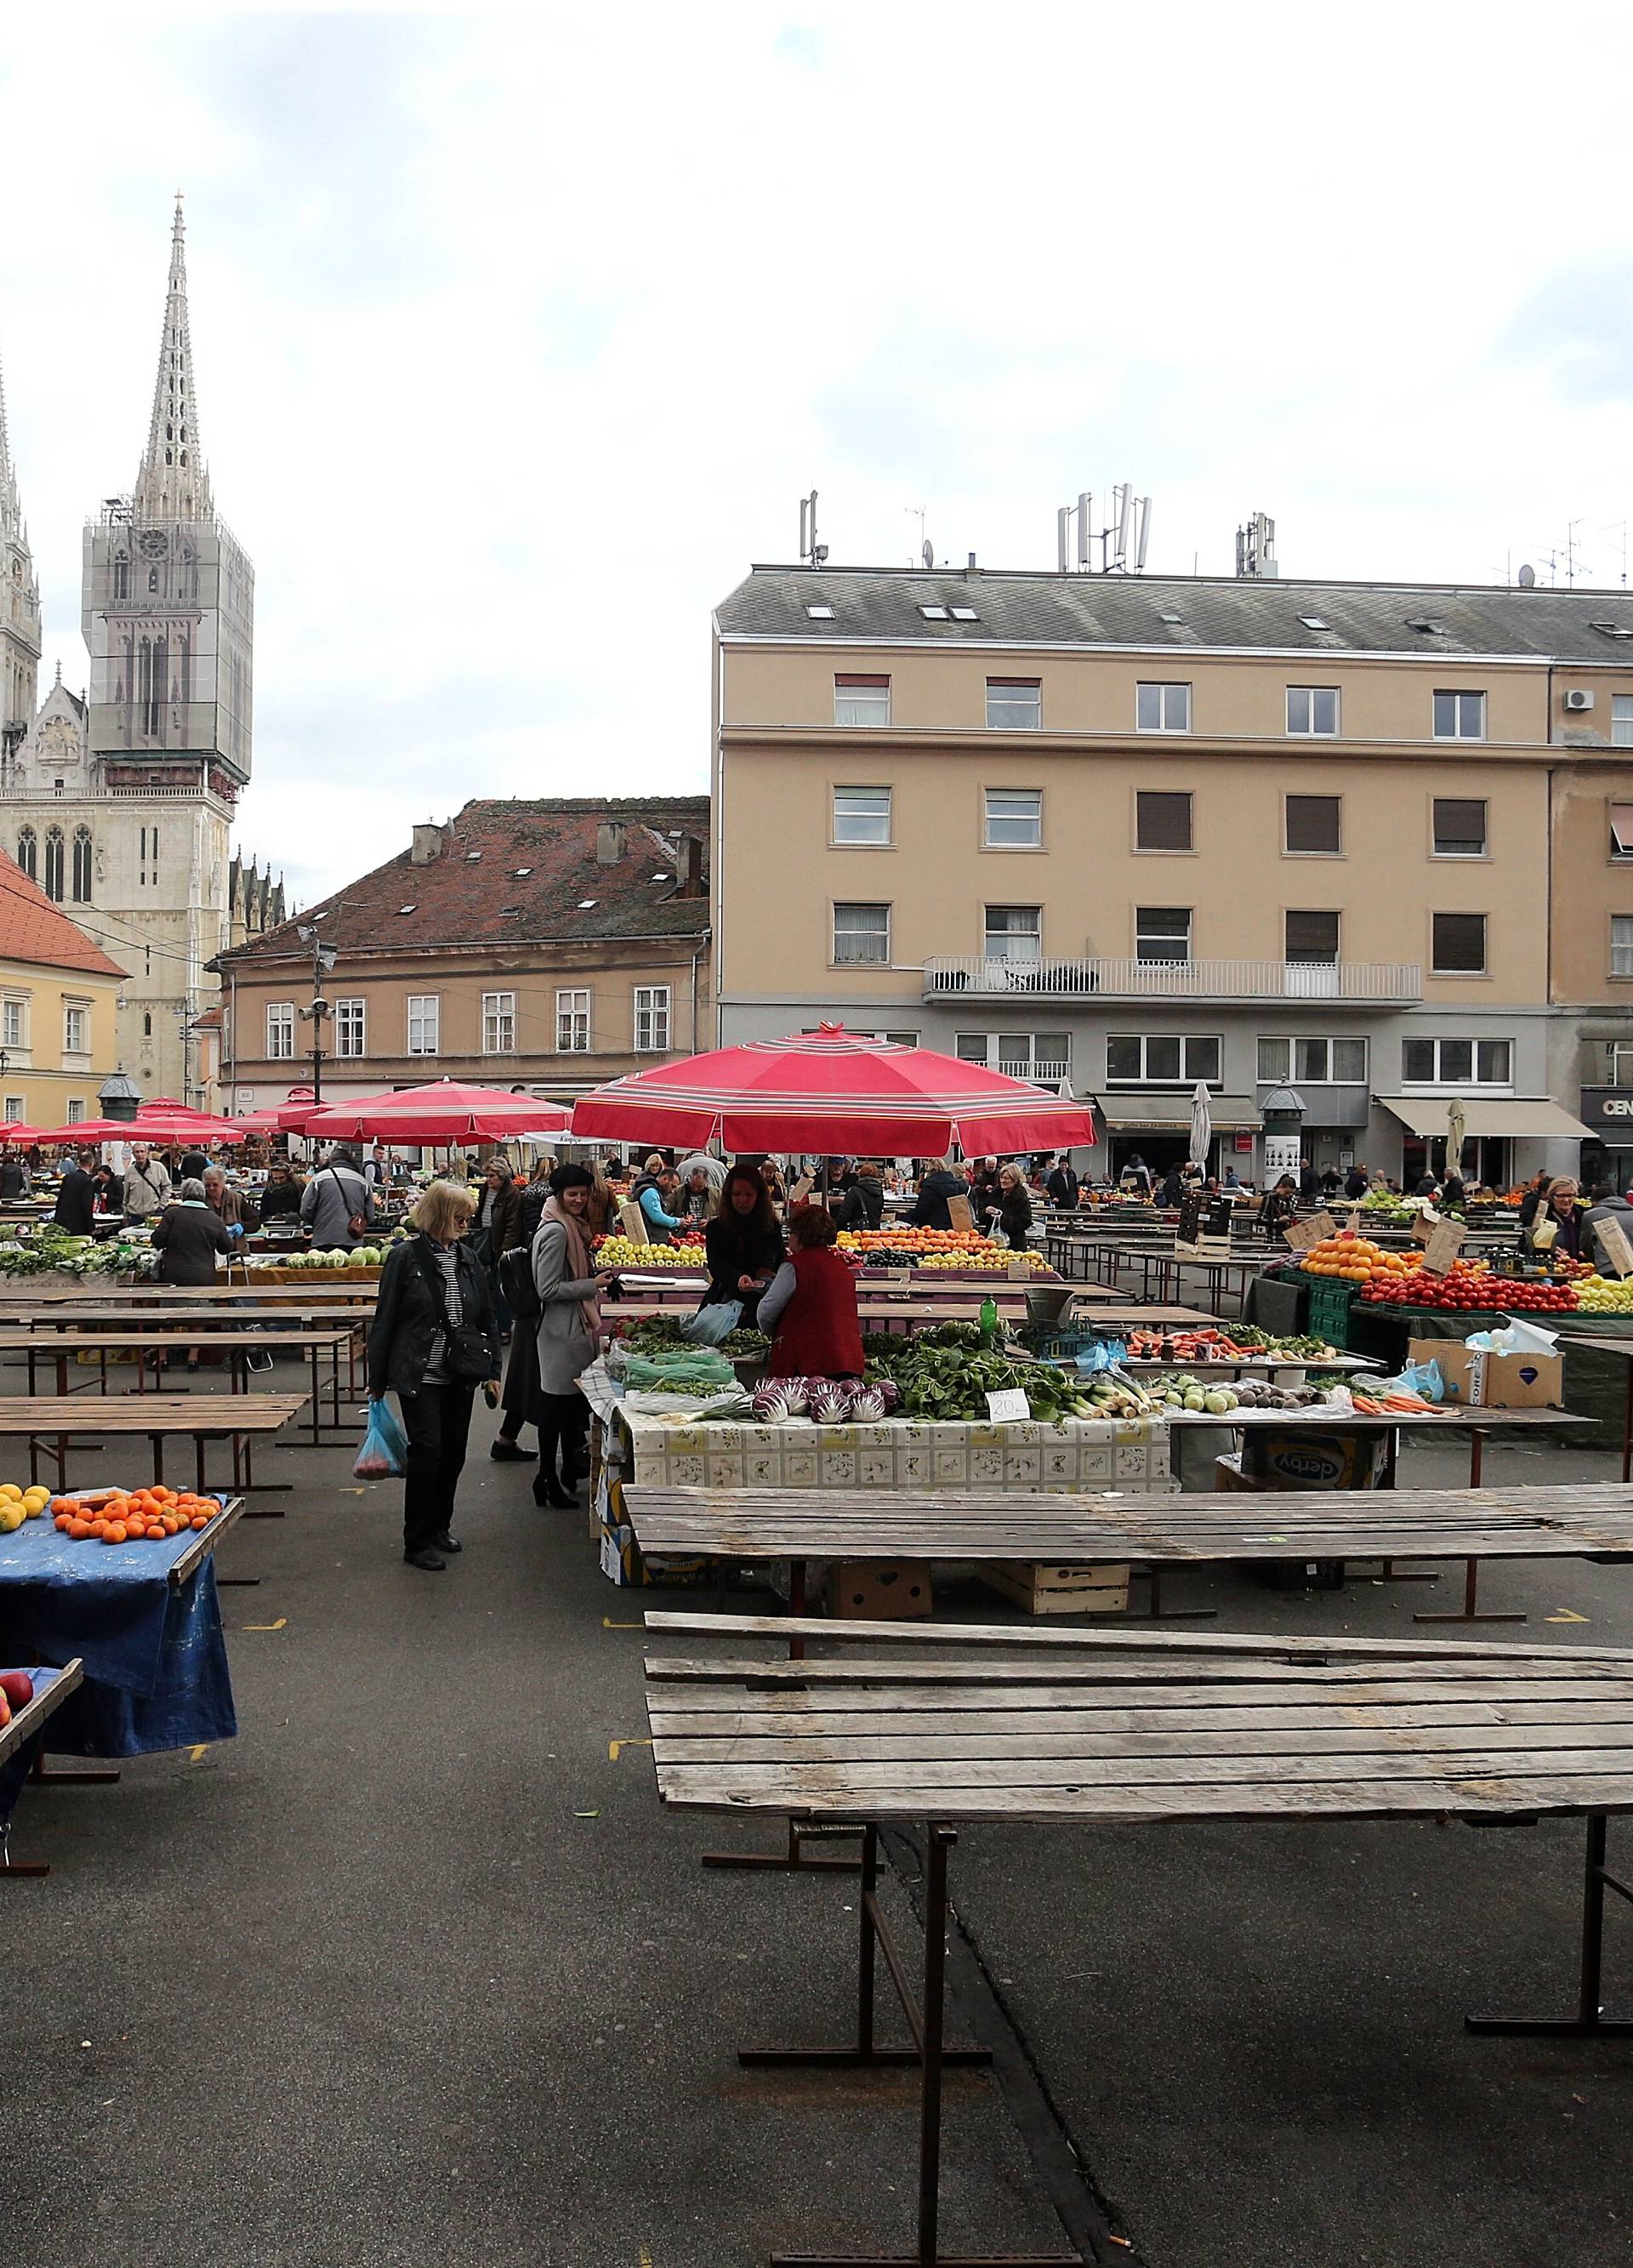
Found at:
<point>148,1516</point>
<point>1384,1405</point>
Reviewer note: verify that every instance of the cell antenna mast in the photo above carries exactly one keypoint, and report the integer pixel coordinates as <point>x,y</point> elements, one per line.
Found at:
<point>1123,541</point>
<point>809,548</point>
<point>917,512</point>
<point>1255,546</point>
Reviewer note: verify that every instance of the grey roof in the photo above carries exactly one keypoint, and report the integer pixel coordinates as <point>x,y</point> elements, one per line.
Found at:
<point>882,606</point>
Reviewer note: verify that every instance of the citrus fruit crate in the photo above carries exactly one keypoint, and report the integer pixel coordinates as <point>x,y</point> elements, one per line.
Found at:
<point>1330,1311</point>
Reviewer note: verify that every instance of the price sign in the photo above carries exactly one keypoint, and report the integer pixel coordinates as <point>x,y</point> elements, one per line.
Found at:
<point>1444,1243</point>
<point>1615,1250</point>
<point>632,1220</point>
<point>1301,1234</point>
<point>1009,1402</point>
<point>1019,1272</point>
<point>800,1191</point>
<point>1423,1225</point>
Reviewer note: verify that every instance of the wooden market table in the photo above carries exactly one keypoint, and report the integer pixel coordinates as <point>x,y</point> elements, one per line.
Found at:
<point>149,1294</point>
<point>1166,1263</point>
<point>50,1422</point>
<point>289,1334</point>
<point>1624,1348</point>
<point>1238,1730</point>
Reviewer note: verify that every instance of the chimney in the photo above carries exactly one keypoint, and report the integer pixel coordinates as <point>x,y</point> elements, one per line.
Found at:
<point>688,865</point>
<point>609,843</point>
<point>428,844</point>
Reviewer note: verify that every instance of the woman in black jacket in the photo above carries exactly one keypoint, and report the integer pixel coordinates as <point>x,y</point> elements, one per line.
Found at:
<point>937,1185</point>
<point>518,1402</point>
<point>1013,1217</point>
<point>864,1200</point>
<point>743,1242</point>
<point>433,1293</point>
<point>187,1236</point>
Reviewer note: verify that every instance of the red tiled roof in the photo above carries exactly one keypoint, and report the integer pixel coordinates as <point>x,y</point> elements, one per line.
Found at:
<point>518,873</point>
<point>32,929</point>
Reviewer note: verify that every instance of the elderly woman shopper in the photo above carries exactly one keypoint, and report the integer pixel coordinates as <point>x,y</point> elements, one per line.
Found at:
<point>569,1321</point>
<point>743,1242</point>
<point>864,1200</point>
<point>810,1306</point>
<point>1011,1215</point>
<point>498,1229</point>
<point>1562,1210</point>
<point>237,1211</point>
<point>187,1236</point>
<point>433,1343</point>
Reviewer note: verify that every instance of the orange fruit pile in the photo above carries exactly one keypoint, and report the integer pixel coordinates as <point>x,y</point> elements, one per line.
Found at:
<point>148,1515</point>
<point>1356,1260</point>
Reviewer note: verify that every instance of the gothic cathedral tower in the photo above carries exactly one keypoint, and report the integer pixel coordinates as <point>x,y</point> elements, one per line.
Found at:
<point>19,614</point>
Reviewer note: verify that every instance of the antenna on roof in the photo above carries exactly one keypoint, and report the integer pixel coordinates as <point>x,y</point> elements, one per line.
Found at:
<point>928,553</point>
<point>1255,546</point>
<point>809,548</point>
<point>1123,541</point>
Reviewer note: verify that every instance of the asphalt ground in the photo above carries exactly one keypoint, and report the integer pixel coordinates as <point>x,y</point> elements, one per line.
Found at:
<point>416,1968</point>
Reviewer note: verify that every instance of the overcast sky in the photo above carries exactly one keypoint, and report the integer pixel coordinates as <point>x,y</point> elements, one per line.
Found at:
<point>518,335</point>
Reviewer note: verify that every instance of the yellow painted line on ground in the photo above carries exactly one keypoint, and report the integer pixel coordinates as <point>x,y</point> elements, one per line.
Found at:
<point>615,1749</point>
<point>643,2259</point>
<point>279,1624</point>
<point>194,1754</point>
<point>1565,1616</point>
<point>606,1623</point>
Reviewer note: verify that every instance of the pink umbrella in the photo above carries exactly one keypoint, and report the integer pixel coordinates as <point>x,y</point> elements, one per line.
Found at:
<point>14,1131</point>
<point>833,1090</point>
<point>447,1110</point>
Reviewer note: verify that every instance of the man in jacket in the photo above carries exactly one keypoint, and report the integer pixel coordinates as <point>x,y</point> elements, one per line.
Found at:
<point>334,1197</point>
<point>1061,1189</point>
<point>655,1191</point>
<point>75,1199</point>
<point>1356,1184</point>
<point>147,1184</point>
<point>939,1183</point>
<point>1605,1203</point>
<point>14,1182</point>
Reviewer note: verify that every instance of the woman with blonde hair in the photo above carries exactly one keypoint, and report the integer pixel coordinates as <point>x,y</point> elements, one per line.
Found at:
<point>434,1342</point>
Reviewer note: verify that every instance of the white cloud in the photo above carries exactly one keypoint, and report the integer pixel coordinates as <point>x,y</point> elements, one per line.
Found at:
<point>520,332</point>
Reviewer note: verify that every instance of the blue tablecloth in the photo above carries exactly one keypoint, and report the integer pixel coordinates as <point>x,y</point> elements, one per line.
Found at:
<point>156,1661</point>
<point>15,1769</point>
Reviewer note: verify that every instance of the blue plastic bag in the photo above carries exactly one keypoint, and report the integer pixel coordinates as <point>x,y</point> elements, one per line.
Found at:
<point>711,1324</point>
<point>385,1450</point>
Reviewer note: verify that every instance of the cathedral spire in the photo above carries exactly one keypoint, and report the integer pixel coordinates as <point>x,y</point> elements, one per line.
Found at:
<point>11,505</point>
<point>172,483</point>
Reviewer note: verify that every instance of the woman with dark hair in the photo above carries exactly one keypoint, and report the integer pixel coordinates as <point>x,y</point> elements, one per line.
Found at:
<point>743,1242</point>
<point>810,1306</point>
<point>569,1321</point>
<point>865,1201</point>
<point>518,1402</point>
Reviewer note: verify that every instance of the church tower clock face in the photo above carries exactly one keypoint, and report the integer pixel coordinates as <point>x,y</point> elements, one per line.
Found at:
<point>152,543</point>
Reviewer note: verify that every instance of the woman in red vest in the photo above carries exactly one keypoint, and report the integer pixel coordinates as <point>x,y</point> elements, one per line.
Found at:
<point>811,1307</point>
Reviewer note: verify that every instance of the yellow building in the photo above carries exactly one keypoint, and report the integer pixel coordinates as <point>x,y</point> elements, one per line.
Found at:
<point>59,997</point>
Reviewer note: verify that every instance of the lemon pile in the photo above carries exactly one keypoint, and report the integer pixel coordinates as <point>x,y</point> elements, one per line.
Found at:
<point>1605,1295</point>
<point>621,1252</point>
<point>17,1505</point>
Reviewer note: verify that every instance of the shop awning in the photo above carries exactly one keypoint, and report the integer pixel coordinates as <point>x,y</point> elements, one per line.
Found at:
<point>1527,1117</point>
<point>1170,1114</point>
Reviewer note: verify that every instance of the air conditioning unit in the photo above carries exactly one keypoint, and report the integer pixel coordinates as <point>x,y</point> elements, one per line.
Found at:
<point>1577,701</point>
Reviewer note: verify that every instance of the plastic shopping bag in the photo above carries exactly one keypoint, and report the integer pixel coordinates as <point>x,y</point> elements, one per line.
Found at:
<point>1423,1378</point>
<point>385,1450</point>
<point>711,1324</point>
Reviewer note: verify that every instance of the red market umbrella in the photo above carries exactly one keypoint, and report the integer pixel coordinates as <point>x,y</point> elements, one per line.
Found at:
<point>165,1121</point>
<point>447,1110</point>
<point>88,1132</point>
<point>14,1131</point>
<point>833,1090</point>
<point>260,1122</point>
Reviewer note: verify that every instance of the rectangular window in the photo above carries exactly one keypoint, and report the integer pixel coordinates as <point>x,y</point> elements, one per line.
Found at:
<point>1014,932</point>
<point>572,1022</point>
<point>1275,1065</point>
<point>1312,937</point>
<point>1622,720</point>
<point>1314,822</point>
<point>1618,1061</point>
<point>75,1114</point>
<point>652,1019</point>
<point>1621,830</point>
<point>861,935</point>
<point>498,1023</point>
<point>14,1109</point>
<point>1314,710</point>
<point>1460,944</point>
<point>1460,716</point>
<point>1014,704</point>
<point>1313,1063</point>
<point>281,1030</point>
<point>1164,1058</point>
<point>349,1025</point>
<point>73,1031</point>
<point>1162,932</point>
<point>1044,1057</point>
<point>861,700</point>
<point>424,1023</point>
<point>1013,818</point>
<point>1457,1062</point>
<point>11,1023</point>
<point>1621,944</point>
<point>1162,820</point>
<point>1162,708</point>
<point>861,814</point>
<point>1459,827</point>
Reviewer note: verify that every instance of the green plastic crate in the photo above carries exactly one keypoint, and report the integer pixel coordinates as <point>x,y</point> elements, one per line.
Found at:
<point>1330,1302</point>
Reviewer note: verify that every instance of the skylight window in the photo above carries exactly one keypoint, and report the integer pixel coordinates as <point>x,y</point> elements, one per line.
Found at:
<point>472,854</point>
<point>522,874</point>
<point>1611,629</point>
<point>1315,622</point>
<point>660,878</point>
<point>964,615</point>
<point>1168,615</point>
<point>584,904</point>
<point>821,614</point>
<point>1422,624</point>
<point>405,910</point>
<point>934,614</point>
<point>510,910</point>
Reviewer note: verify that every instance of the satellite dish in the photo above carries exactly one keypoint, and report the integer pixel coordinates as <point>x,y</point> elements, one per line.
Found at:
<point>1527,577</point>
<point>928,554</point>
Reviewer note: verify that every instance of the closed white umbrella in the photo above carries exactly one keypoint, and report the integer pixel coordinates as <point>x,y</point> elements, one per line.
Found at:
<point>1457,1122</point>
<point>1202,1127</point>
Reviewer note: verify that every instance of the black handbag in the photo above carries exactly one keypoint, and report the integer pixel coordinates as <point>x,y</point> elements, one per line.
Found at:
<point>470,1351</point>
<point>516,1281</point>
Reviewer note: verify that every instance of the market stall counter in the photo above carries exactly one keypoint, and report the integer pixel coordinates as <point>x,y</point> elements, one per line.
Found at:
<point>20,1739</point>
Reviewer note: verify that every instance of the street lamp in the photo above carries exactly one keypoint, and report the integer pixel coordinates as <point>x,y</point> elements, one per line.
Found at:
<point>323,962</point>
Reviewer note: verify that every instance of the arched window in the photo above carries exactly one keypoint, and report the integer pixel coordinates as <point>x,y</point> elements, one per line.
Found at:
<point>82,865</point>
<point>54,864</point>
<point>121,576</point>
<point>28,854</point>
<point>152,572</point>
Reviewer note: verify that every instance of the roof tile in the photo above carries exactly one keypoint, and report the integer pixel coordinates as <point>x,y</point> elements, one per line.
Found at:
<point>32,929</point>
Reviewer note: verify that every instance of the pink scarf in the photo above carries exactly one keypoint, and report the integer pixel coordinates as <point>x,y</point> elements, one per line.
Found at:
<point>579,1264</point>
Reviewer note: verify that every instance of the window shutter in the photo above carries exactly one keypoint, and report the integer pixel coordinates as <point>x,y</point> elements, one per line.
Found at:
<point>1162,820</point>
<point>1311,936</point>
<point>1459,942</point>
<point>1313,823</point>
<point>1459,826</point>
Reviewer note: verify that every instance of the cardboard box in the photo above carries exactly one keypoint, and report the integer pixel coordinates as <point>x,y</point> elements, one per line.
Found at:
<point>1044,1588</point>
<point>1476,1380</point>
<point>879,1590</point>
<point>1304,1459</point>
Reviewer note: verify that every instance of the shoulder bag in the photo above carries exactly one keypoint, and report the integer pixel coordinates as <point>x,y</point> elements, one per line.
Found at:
<point>470,1351</point>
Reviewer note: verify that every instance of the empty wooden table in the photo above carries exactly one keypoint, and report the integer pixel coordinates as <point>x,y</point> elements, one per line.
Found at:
<point>289,1336</point>
<point>52,1421</point>
<point>1236,1731</point>
<point>1624,1348</point>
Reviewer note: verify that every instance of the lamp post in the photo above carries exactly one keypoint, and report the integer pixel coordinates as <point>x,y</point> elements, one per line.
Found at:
<point>323,962</point>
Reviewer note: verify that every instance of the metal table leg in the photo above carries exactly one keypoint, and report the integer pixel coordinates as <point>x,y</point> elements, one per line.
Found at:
<point>1589,2023</point>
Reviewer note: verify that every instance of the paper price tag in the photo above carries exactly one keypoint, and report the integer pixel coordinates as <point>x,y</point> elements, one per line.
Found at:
<point>1300,1236</point>
<point>1423,1225</point>
<point>1019,1272</point>
<point>1444,1245</point>
<point>1615,1248</point>
<point>800,1191</point>
<point>1009,1404</point>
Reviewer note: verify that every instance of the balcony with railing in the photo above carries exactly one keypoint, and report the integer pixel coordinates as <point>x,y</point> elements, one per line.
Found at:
<point>989,976</point>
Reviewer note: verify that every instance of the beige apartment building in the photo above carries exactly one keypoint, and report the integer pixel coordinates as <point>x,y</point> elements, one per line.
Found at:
<point>1130,833</point>
<point>546,944</point>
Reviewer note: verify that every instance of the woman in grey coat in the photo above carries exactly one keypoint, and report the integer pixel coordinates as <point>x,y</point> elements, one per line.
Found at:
<point>569,1321</point>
